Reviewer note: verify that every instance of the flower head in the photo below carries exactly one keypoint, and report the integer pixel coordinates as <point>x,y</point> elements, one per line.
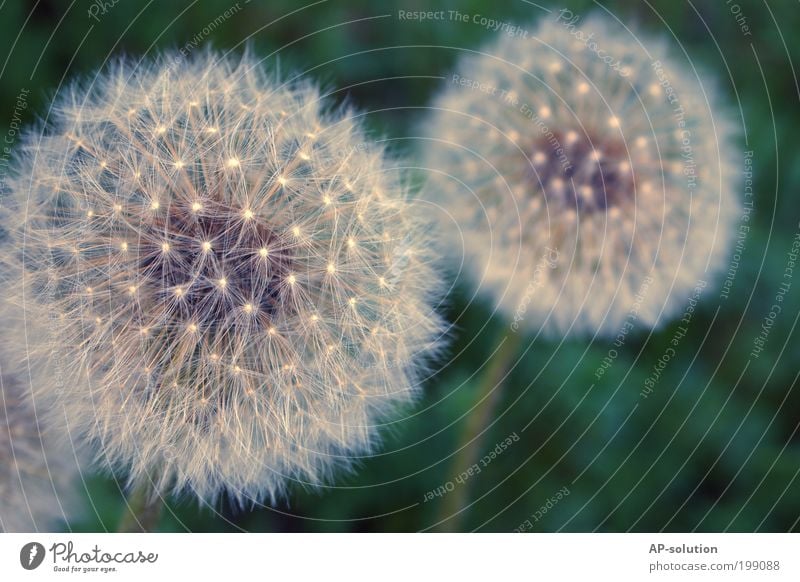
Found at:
<point>242,284</point>
<point>585,172</point>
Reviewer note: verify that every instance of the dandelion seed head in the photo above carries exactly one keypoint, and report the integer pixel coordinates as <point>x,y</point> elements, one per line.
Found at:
<point>38,469</point>
<point>206,376</point>
<point>598,194</point>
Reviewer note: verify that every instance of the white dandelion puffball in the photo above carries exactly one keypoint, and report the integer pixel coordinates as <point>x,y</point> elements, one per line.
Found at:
<point>241,285</point>
<point>587,175</point>
<point>38,470</point>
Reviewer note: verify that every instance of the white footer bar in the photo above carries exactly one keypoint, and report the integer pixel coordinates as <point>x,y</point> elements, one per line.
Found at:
<point>406,557</point>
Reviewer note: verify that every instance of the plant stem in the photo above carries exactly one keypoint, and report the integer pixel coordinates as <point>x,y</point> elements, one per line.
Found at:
<point>143,510</point>
<point>475,431</point>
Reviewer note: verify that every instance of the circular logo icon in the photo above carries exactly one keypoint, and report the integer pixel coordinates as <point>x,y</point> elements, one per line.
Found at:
<point>31,555</point>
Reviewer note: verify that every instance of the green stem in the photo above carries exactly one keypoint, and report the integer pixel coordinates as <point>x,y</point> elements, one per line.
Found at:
<point>143,510</point>
<point>480,417</point>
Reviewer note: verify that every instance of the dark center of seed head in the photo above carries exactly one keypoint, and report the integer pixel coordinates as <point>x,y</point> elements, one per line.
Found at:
<point>575,171</point>
<point>205,264</point>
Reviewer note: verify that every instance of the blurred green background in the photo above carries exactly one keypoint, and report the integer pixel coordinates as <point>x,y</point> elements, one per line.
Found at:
<point>715,447</point>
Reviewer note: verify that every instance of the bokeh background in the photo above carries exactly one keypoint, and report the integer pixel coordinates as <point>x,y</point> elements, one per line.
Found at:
<point>714,448</point>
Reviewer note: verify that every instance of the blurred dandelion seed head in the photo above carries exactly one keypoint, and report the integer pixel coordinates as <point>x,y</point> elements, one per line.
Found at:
<point>623,164</point>
<point>201,357</point>
<point>38,471</point>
